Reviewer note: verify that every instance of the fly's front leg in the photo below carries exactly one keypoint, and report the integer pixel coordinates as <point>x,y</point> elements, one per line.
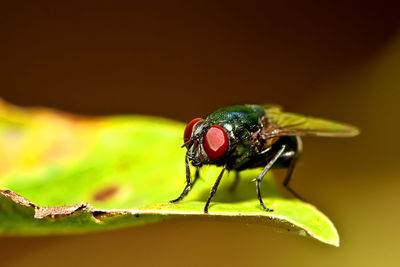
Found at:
<point>214,189</point>
<point>262,174</point>
<point>189,183</point>
<point>235,182</point>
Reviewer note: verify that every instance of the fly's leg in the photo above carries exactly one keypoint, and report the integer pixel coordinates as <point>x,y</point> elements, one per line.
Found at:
<point>196,176</point>
<point>214,189</point>
<point>262,174</point>
<point>189,183</point>
<point>288,177</point>
<point>235,182</point>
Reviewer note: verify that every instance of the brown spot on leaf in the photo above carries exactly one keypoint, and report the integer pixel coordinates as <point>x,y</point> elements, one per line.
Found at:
<point>105,193</point>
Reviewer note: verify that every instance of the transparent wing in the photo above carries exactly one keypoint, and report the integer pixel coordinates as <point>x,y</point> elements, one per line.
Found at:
<point>272,108</point>
<point>291,124</point>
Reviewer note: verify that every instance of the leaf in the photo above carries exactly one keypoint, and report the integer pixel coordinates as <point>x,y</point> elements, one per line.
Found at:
<point>127,168</point>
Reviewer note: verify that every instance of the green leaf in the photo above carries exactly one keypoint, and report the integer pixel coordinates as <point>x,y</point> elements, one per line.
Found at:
<point>127,168</point>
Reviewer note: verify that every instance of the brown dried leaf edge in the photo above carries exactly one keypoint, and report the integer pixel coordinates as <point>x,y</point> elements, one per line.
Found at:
<point>41,212</point>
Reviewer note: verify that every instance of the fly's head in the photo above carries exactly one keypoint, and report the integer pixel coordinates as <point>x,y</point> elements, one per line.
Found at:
<point>206,142</point>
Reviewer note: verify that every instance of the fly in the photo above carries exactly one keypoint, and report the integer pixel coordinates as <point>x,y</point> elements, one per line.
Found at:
<point>243,137</point>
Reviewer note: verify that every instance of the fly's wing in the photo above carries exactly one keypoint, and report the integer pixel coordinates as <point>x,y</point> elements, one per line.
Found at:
<point>272,108</point>
<point>291,124</point>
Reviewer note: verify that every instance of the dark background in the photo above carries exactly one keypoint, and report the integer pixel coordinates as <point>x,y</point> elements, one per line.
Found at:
<point>183,60</point>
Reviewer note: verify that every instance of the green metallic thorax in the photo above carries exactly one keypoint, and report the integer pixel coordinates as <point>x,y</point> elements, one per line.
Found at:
<point>242,123</point>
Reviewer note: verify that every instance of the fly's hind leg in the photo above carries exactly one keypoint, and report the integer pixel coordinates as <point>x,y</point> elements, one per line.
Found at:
<point>289,176</point>
<point>262,174</point>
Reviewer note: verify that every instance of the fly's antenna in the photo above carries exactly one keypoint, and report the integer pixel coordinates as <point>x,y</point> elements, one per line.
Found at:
<point>187,143</point>
<point>190,141</point>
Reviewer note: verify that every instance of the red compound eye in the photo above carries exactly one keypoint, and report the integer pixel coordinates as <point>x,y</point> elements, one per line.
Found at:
<point>189,129</point>
<point>215,142</point>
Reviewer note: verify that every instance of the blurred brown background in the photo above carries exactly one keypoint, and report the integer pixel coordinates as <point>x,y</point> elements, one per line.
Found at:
<point>182,60</point>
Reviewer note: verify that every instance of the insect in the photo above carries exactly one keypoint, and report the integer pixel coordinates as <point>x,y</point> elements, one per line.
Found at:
<point>242,137</point>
